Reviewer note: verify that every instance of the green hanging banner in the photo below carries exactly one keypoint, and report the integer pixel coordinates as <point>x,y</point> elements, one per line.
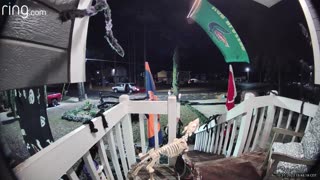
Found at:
<point>220,30</point>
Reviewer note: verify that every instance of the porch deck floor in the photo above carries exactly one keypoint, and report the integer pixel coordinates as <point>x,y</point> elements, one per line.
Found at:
<point>210,166</point>
<point>246,167</point>
<point>162,172</point>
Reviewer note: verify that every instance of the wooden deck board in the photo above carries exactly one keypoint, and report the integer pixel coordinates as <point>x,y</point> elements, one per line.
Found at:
<point>211,166</point>
<point>162,172</point>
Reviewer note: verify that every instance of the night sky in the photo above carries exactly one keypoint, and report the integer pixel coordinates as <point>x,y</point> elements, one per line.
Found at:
<point>270,35</point>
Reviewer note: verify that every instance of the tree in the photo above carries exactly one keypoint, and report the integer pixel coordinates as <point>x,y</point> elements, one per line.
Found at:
<point>81,91</point>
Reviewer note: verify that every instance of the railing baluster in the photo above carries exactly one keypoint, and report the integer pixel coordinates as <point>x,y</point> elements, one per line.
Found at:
<point>209,141</point>
<point>121,149</point>
<point>243,132</point>
<point>289,119</point>
<point>213,136</point>
<point>72,175</point>
<point>288,123</point>
<point>280,118</point>
<point>233,134</point>
<point>253,125</point>
<point>256,137</point>
<point>199,141</point>
<point>268,124</point>
<point>104,159</point>
<point>128,141</point>
<point>203,140</point>
<point>195,142</point>
<point>221,138</point>
<point>142,133</point>
<point>114,157</point>
<point>217,139</point>
<point>226,138</point>
<point>90,166</point>
<point>309,119</point>
<point>206,138</point>
<point>297,127</point>
<point>155,130</point>
<point>127,130</point>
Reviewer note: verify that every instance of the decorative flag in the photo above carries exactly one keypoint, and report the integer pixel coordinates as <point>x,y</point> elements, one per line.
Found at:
<point>220,30</point>
<point>151,91</point>
<point>232,92</point>
<point>150,86</point>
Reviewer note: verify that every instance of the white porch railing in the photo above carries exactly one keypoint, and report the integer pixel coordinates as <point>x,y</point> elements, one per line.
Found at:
<point>59,158</point>
<point>248,125</point>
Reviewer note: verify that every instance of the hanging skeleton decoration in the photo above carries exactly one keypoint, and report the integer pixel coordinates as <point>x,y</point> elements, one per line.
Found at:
<point>177,147</point>
<point>101,5</point>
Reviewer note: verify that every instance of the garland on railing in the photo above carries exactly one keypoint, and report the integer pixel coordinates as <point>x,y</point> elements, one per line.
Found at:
<point>199,103</point>
<point>213,117</point>
<point>101,5</point>
<point>91,125</point>
<point>103,118</point>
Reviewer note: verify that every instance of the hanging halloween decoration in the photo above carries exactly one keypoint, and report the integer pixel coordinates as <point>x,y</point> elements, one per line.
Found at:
<point>32,109</point>
<point>101,5</point>
<point>174,149</point>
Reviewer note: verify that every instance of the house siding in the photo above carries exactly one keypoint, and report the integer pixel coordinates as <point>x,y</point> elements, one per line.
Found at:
<point>37,50</point>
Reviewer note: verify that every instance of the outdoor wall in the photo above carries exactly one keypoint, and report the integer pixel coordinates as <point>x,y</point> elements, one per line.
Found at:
<point>40,50</point>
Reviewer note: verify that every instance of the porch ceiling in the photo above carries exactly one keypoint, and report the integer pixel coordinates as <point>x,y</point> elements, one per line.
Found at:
<point>268,3</point>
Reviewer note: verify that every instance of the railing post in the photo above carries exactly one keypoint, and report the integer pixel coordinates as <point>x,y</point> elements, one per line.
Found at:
<point>172,117</point>
<point>244,127</point>
<point>172,121</point>
<point>127,131</point>
<point>268,124</point>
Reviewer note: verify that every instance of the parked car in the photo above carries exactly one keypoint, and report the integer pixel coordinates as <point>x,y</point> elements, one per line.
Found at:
<point>193,80</point>
<point>125,87</point>
<point>54,98</point>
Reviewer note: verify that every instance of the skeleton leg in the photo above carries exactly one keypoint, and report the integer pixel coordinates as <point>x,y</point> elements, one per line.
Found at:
<point>149,167</point>
<point>151,176</point>
<point>136,171</point>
